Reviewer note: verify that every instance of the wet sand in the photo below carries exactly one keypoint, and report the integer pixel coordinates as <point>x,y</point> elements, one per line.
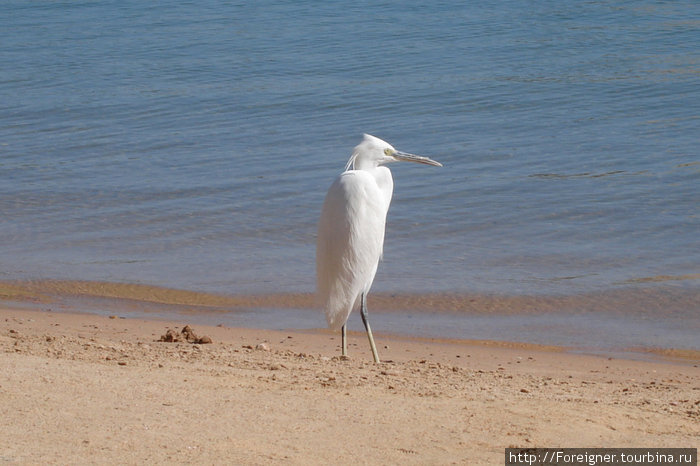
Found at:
<point>79,388</point>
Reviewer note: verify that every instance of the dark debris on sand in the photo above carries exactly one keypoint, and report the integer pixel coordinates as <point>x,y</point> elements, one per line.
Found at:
<point>185,335</point>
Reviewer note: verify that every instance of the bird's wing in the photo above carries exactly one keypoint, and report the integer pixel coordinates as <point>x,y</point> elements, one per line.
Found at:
<point>349,244</point>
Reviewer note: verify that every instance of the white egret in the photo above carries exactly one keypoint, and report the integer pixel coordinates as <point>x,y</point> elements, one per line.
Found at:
<point>351,232</point>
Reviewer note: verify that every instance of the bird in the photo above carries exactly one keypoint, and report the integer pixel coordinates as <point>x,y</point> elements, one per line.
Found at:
<point>350,238</point>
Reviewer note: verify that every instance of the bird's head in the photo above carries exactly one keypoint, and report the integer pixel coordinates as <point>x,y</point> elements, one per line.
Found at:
<point>373,152</point>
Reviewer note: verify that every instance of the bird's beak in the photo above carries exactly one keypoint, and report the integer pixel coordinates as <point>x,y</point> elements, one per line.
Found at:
<point>405,157</point>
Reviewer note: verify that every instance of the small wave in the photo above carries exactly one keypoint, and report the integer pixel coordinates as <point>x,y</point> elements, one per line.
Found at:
<point>563,176</point>
<point>663,278</point>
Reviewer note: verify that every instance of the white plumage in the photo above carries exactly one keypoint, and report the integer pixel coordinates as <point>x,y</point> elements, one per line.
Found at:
<point>351,231</point>
<point>350,240</point>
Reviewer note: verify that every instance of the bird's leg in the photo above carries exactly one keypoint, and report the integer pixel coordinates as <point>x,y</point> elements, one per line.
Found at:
<point>344,338</point>
<point>363,313</point>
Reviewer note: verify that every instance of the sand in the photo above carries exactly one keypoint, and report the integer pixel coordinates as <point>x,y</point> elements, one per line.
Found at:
<point>87,389</point>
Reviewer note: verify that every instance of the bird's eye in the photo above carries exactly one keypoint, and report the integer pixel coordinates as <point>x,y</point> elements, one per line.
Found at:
<point>387,151</point>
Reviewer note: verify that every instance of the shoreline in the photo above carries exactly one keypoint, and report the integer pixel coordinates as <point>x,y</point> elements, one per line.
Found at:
<point>646,354</point>
<point>624,299</point>
<point>83,386</point>
<point>605,330</point>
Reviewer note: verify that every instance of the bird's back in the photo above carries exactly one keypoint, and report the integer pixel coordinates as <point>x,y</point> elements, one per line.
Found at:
<point>350,241</point>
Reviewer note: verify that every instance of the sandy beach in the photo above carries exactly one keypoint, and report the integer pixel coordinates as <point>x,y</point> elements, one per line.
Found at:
<point>88,389</point>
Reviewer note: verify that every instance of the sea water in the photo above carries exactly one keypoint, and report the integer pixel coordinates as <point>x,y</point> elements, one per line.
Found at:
<point>190,144</point>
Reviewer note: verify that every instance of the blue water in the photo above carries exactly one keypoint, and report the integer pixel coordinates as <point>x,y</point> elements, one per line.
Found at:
<point>190,144</point>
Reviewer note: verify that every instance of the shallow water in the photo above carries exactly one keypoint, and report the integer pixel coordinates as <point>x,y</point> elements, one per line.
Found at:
<point>632,323</point>
<point>190,146</point>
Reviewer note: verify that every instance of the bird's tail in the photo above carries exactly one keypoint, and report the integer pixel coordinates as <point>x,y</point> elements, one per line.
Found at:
<point>336,306</point>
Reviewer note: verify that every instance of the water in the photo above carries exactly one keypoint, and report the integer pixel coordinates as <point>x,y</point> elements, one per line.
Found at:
<point>190,145</point>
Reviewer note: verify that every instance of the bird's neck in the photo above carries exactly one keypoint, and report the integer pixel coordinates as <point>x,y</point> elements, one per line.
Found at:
<point>382,175</point>
<point>363,164</point>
